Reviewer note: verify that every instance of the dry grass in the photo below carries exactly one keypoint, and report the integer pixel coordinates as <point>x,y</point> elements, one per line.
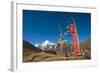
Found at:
<point>34,54</point>
<point>42,56</point>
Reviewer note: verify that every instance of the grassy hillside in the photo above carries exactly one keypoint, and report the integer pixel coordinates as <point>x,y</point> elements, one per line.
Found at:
<point>29,50</point>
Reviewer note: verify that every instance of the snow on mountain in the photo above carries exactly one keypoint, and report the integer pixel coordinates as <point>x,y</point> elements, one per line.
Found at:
<point>44,44</point>
<point>37,45</point>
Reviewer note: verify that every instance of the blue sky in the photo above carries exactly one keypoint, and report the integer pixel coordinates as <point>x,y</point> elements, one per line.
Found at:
<point>39,26</point>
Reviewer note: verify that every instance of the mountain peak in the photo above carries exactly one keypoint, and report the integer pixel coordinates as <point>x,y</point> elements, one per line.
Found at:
<point>44,44</point>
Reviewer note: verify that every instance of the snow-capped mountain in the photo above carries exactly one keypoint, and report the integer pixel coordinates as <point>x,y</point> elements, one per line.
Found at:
<point>37,45</point>
<point>44,45</point>
<point>46,42</point>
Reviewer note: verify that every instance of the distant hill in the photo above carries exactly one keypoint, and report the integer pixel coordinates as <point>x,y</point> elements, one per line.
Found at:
<point>29,46</point>
<point>86,44</point>
<point>86,48</point>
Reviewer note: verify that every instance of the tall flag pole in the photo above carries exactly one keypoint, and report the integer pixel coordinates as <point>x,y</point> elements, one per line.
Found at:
<point>73,31</point>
